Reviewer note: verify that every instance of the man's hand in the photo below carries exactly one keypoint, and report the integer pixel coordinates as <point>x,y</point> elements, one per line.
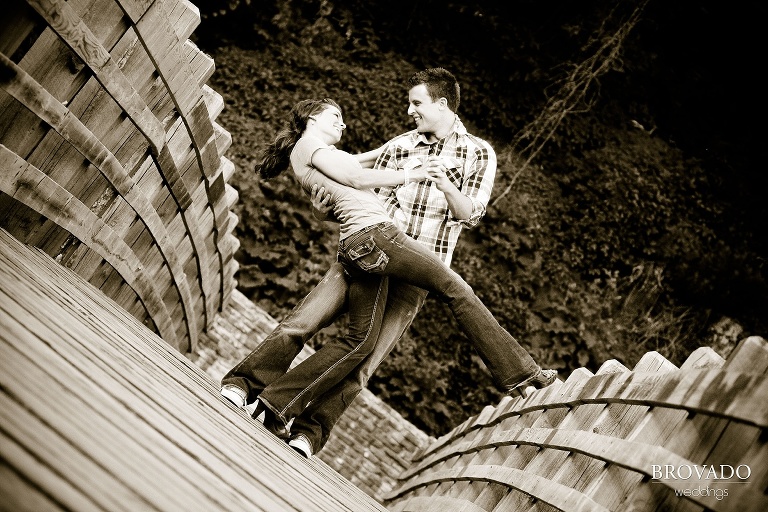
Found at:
<point>459,204</point>
<point>437,172</point>
<point>320,200</point>
<point>321,203</point>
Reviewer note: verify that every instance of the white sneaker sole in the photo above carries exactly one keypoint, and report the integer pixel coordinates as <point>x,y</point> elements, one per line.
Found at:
<point>232,396</point>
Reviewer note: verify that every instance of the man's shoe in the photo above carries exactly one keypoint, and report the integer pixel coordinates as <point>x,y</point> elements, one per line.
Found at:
<point>301,444</point>
<point>255,410</point>
<point>538,380</point>
<point>258,411</point>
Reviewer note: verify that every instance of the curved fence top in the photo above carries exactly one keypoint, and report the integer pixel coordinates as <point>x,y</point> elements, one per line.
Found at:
<point>111,159</point>
<point>655,438</point>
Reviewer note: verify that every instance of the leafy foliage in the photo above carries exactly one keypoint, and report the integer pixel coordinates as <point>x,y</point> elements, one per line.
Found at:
<point>633,230</point>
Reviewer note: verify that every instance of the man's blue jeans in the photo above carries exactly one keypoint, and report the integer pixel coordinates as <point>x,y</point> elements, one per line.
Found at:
<point>387,251</point>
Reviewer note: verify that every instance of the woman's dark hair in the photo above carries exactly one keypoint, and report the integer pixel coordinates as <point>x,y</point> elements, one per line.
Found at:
<point>275,156</point>
<point>440,84</point>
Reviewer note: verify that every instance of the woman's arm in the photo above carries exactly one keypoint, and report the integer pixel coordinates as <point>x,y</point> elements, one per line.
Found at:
<point>344,168</point>
<point>368,158</point>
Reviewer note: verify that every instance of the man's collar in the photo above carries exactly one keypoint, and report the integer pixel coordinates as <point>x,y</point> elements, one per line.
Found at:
<point>457,128</point>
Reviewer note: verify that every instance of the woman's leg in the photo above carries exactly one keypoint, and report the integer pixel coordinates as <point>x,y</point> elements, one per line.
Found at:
<point>317,420</point>
<point>411,262</point>
<point>290,394</point>
<point>274,355</point>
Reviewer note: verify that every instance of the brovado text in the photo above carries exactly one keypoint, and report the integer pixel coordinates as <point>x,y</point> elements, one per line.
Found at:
<point>687,471</point>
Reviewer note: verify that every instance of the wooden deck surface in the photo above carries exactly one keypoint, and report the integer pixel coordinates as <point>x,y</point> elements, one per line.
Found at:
<point>98,413</point>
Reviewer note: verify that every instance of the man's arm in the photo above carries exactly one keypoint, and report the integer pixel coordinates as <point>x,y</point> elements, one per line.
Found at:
<point>477,182</point>
<point>368,158</point>
<point>322,209</point>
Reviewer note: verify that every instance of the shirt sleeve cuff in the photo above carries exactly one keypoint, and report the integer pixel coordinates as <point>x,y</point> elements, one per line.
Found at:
<point>478,210</point>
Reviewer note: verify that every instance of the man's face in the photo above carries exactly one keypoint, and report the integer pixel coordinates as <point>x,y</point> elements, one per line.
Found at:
<point>423,110</point>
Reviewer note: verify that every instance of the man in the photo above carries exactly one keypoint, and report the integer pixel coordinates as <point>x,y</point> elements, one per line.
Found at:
<point>462,169</point>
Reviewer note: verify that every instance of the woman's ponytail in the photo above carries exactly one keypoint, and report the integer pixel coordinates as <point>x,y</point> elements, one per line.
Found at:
<point>275,157</point>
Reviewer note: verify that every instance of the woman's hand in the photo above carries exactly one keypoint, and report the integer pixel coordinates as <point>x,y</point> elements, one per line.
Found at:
<point>432,168</point>
<point>415,170</point>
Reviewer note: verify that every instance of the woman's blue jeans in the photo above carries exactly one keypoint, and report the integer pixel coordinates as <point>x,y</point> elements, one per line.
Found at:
<point>269,362</point>
<point>289,394</point>
<point>272,358</point>
<point>385,250</point>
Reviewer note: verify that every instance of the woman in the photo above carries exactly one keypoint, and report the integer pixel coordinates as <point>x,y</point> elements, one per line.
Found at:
<point>371,248</point>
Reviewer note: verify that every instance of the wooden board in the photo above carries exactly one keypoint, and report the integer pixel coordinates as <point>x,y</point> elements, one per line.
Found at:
<point>126,422</point>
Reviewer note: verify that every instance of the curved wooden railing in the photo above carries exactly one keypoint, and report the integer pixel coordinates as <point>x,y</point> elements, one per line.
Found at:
<point>606,441</point>
<point>111,160</point>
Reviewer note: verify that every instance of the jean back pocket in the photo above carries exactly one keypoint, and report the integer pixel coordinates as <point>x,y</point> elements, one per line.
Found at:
<point>367,256</point>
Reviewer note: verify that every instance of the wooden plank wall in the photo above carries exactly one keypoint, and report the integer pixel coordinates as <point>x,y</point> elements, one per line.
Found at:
<point>99,413</point>
<point>591,443</point>
<point>110,157</point>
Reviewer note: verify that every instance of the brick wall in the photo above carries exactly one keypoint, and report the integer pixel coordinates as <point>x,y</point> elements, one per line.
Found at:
<point>371,444</point>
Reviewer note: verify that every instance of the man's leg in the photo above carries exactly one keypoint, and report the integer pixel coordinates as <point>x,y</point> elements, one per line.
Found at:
<point>321,415</point>
<point>272,358</point>
<point>409,261</point>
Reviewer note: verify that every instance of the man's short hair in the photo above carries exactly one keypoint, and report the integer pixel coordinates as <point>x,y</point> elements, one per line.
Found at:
<point>440,84</point>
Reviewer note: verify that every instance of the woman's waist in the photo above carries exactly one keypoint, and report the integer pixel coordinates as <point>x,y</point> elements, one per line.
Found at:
<point>355,219</point>
<point>354,235</point>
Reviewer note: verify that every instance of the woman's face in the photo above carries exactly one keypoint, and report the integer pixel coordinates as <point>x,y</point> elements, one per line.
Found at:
<point>330,124</point>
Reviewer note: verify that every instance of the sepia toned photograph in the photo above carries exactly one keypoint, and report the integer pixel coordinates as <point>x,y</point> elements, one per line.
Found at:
<point>350,256</point>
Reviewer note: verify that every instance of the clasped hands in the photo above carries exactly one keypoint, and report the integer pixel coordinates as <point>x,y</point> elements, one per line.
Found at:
<point>432,168</point>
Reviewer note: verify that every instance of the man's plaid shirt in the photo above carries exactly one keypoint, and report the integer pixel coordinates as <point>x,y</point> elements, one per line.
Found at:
<point>420,209</point>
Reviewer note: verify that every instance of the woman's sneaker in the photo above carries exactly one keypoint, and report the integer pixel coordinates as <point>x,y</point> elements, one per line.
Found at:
<point>538,380</point>
<point>301,444</point>
<point>255,409</point>
<point>233,396</point>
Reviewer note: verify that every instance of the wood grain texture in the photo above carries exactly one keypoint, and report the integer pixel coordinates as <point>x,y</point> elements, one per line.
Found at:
<point>597,441</point>
<point>86,107</point>
<point>126,422</point>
